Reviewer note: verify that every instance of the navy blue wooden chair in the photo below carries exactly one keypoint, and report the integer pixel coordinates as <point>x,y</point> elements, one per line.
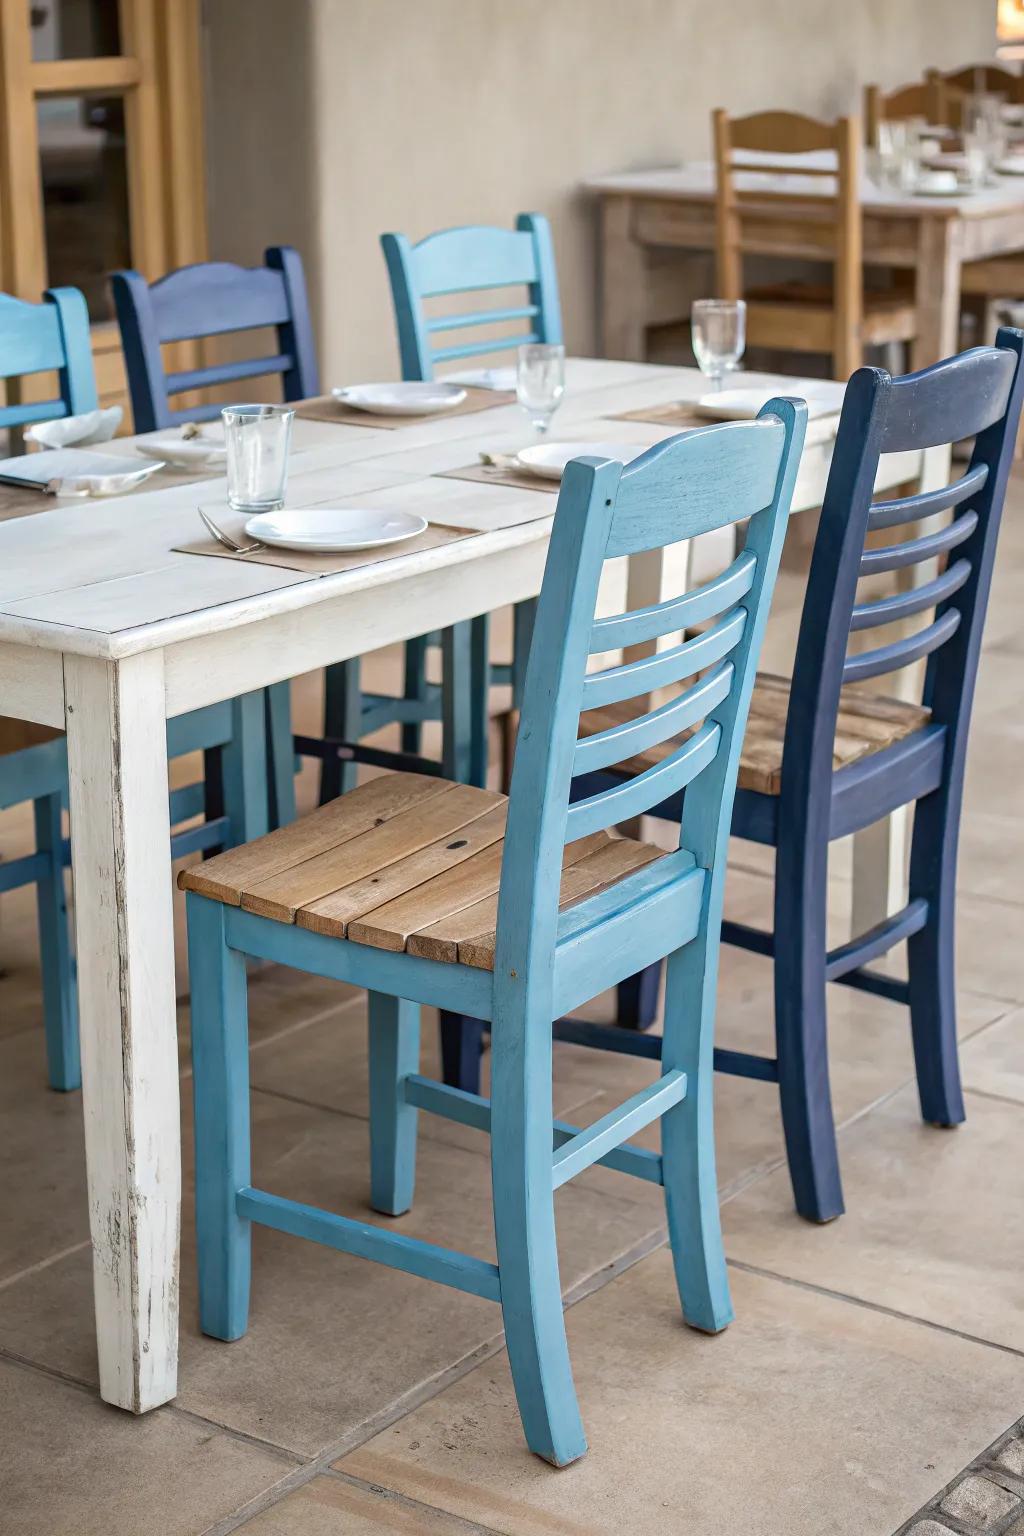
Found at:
<point>446,264</point>
<point>822,762</point>
<point>376,889</point>
<point>53,337</point>
<point>218,298</point>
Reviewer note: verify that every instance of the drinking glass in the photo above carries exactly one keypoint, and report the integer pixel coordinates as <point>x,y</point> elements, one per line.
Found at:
<point>719,331</point>
<point>256,438</point>
<point>540,381</point>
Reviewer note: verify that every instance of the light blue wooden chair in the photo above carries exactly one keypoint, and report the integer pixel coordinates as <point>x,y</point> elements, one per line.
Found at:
<point>54,337</point>
<point>444,265</point>
<point>343,900</point>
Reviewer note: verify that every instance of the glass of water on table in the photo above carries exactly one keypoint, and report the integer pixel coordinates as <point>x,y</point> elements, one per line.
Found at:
<point>256,438</point>
<point>540,381</point>
<point>718,328</point>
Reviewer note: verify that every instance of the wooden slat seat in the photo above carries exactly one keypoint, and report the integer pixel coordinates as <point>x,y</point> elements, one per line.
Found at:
<point>867,723</point>
<point>770,315</point>
<point>17,735</point>
<point>403,862</point>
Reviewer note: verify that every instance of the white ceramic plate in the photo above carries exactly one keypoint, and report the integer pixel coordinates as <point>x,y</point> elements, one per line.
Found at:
<point>114,484</point>
<point>824,398</point>
<point>410,399</point>
<point>549,459</point>
<point>1014,166</point>
<point>329,530</point>
<point>502,379</point>
<point>183,452</point>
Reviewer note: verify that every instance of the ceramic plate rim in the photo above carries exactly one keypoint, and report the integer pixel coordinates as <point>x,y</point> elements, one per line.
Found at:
<point>256,528</point>
<point>454,395</point>
<point>581,450</point>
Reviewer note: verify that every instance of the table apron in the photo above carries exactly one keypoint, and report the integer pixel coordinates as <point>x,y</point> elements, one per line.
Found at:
<point>233,661</point>
<point>32,684</point>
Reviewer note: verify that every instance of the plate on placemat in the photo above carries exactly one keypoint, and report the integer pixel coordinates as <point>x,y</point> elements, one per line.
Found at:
<point>549,459</point>
<point>332,530</point>
<point>407,399</point>
<point>824,398</point>
<point>183,452</point>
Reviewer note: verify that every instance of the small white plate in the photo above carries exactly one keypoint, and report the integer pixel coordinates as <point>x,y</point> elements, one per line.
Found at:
<point>548,460</point>
<point>1014,166</point>
<point>501,379</point>
<point>824,398</point>
<point>182,452</point>
<point>409,399</point>
<point>329,530</point>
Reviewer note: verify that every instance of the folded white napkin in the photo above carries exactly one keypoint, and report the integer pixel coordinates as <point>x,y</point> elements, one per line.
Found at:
<point>78,431</point>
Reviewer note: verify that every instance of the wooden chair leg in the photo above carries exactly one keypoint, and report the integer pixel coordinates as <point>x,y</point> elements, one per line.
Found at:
<point>394,1054</point>
<point>637,998</point>
<point>280,754</point>
<point>931,963</point>
<point>60,1001</point>
<point>479,686</point>
<point>802,1041</point>
<point>524,1227</point>
<point>415,688</point>
<point>462,1044</point>
<point>343,708</point>
<point>244,759</point>
<point>220,1091</point>
<point>688,1141</point>
<point>457,702</point>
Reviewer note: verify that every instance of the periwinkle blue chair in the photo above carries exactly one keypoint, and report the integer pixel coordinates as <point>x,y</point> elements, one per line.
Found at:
<point>54,337</point>
<point>912,754</point>
<point>562,911</point>
<point>219,298</point>
<point>449,263</point>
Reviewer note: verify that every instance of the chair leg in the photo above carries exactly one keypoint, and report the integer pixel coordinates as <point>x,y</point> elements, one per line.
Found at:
<point>343,708</point>
<point>60,1001</point>
<point>524,615</point>
<point>524,1226</point>
<point>280,754</point>
<point>457,702</point>
<point>220,1091</point>
<point>688,1141</point>
<point>394,1054</point>
<point>244,759</point>
<point>801,1033</point>
<point>637,998</point>
<point>213,790</point>
<point>462,1044</point>
<point>931,964</point>
<point>415,688</point>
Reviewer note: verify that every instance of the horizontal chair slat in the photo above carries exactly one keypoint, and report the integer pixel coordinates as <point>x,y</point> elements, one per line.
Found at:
<point>903,605</point>
<point>634,796</point>
<point>678,613</point>
<point>615,684</point>
<point>622,741</point>
<point>227,373</point>
<point>482,317</point>
<point>481,348</point>
<point>890,658</point>
<point>617,1126</point>
<point>908,509</point>
<point>894,556</point>
<point>460,1270</point>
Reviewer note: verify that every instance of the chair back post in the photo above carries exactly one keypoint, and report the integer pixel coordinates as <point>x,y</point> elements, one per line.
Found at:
<point>471,259</point>
<point>77,375</point>
<point>847,345</point>
<point>295,335</point>
<point>729,274</point>
<point>140,343</point>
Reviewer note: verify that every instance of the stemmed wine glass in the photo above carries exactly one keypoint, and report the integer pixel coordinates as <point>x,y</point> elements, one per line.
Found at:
<point>719,331</point>
<point>540,381</point>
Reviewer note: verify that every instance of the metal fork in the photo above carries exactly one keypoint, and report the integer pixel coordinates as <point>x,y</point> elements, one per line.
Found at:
<point>226,538</point>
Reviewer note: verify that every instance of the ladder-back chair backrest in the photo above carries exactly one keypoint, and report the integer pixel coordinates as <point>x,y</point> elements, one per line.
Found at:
<point>213,298</point>
<point>923,99</point>
<point>976,395</point>
<point>686,486</point>
<point>988,79</point>
<point>752,204</point>
<point>52,337</point>
<point>473,259</point>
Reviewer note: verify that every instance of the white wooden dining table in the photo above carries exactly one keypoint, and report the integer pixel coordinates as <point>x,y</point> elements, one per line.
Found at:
<point>107,633</point>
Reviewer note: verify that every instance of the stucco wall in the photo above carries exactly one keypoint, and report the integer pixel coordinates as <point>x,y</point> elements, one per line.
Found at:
<point>331,120</point>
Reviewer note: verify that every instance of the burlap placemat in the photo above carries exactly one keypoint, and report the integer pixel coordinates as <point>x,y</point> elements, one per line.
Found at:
<point>327,408</point>
<point>433,537</point>
<point>500,474</point>
<point>677,413</point>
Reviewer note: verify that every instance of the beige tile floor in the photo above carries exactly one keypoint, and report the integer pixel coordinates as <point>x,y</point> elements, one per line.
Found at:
<point>870,1360</point>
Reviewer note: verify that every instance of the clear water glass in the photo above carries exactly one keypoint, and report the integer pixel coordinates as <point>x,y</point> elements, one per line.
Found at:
<point>540,381</point>
<point>257,438</point>
<point>718,328</point>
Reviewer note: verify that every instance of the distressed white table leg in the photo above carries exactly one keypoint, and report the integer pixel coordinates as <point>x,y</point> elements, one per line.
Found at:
<point>123,919</point>
<point>880,852</point>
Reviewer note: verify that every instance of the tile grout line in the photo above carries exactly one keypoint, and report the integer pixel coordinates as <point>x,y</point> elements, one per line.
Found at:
<point>997,1098</point>
<point>872,1306</point>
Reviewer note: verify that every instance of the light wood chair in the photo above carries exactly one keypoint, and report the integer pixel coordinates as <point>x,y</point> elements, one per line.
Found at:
<point>797,316</point>
<point>924,98</point>
<point>994,78</point>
